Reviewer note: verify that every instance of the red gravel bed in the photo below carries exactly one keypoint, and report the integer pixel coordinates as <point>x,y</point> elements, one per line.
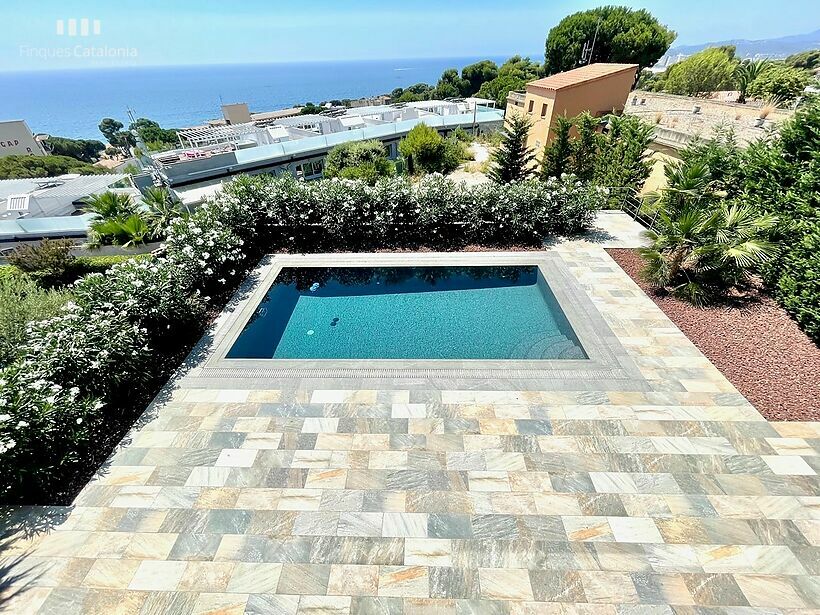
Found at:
<point>759,349</point>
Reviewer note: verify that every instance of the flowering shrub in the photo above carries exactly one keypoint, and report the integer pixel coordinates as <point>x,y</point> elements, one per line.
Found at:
<point>45,433</point>
<point>127,327</point>
<point>153,295</point>
<point>99,351</point>
<point>204,251</point>
<point>345,214</point>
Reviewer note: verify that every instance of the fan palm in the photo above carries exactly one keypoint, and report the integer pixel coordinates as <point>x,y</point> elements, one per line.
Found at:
<point>700,254</point>
<point>745,73</point>
<point>687,186</point>
<point>109,205</point>
<point>160,210</point>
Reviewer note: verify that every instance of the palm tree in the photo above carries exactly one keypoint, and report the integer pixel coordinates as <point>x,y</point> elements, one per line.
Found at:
<point>688,185</point>
<point>745,73</point>
<point>699,255</point>
<point>109,205</point>
<point>125,232</point>
<point>160,210</point>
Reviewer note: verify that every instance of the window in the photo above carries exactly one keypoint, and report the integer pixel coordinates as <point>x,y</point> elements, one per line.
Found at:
<point>532,104</point>
<point>544,110</point>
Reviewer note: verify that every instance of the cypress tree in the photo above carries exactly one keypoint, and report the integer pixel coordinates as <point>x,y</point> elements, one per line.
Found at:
<point>557,153</point>
<point>512,158</point>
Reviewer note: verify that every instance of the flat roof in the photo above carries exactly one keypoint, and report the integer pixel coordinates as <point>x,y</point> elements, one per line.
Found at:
<point>578,76</point>
<point>65,185</point>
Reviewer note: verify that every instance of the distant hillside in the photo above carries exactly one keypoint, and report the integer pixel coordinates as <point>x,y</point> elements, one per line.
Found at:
<point>775,47</point>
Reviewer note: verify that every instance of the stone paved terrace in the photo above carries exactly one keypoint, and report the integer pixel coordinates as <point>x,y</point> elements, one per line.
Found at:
<point>283,499</point>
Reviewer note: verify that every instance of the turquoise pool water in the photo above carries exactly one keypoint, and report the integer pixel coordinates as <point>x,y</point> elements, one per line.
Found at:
<point>409,313</point>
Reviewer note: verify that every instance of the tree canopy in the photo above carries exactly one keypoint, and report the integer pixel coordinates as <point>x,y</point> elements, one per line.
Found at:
<point>624,35</point>
<point>81,149</point>
<point>805,59</point>
<point>478,74</point>
<point>113,132</point>
<point>513,75</point>
<point>710,70</point>
<point>18,167</point>
<point>780,82</point>
<point>153,135</point>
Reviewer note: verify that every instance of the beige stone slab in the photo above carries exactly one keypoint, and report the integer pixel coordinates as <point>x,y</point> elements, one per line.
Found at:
<point>403,581</point>
<point>353,580</point>
<point>505,584</point>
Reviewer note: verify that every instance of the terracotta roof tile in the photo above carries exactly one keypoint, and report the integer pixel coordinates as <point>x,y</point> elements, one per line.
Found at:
<point>580,75</point>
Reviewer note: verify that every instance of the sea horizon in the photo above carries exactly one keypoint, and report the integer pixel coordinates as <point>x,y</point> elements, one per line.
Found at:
<point>187,95</point>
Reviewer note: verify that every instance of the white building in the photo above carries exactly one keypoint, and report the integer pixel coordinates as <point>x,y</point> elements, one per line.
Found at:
<point>45,197</point>
<point>298,144</point>
<point>17,139</point>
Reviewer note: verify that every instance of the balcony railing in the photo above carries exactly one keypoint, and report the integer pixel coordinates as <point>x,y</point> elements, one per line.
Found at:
<point>516,98</point>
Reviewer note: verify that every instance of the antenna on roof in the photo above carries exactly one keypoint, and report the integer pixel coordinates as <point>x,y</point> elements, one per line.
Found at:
<point>586,54</point>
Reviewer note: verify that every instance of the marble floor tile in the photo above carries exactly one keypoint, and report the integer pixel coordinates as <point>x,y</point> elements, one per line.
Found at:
<point>404,497</point>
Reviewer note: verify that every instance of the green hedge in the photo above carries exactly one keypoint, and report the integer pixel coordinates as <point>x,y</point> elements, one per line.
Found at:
<point>780,175</point>
<point>100,361</point>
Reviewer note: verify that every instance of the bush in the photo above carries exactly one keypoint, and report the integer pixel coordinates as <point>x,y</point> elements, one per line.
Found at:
<point>426,151</point>
<point>48,261</point>
<point>98,264</point>
<point>22,301</point>
<point>154,296</point>
<point>47,435</point>
<point>365,160</point>
<point>780,82</point>
<point>100,351</point>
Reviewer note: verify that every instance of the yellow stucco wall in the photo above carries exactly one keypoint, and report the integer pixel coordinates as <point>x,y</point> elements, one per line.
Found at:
<point>600,96</point>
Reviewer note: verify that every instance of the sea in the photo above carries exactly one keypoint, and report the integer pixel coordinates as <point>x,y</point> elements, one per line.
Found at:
<point>71,103</point>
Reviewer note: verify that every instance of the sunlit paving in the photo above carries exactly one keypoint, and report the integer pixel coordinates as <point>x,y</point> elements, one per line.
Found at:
<point>322,310</point>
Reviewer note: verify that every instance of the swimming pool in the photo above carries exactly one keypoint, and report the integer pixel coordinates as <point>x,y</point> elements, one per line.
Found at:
<point>409,312</point>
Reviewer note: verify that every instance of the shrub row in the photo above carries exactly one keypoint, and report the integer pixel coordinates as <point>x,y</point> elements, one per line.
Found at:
<point>83,375</point>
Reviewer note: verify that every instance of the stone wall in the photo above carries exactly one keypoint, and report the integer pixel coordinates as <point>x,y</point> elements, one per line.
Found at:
<point>677,122</point>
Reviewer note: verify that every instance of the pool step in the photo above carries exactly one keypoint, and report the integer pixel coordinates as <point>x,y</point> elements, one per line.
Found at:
<point>550,346</point>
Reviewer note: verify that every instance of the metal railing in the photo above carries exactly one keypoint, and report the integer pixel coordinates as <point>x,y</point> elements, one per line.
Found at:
<point>630,202</point>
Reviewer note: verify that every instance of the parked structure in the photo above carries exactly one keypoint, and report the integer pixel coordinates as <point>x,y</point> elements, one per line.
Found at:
<point>598,88</point>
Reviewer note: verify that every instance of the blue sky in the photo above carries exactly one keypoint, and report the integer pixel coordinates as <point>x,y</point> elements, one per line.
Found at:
<point>170,32</point>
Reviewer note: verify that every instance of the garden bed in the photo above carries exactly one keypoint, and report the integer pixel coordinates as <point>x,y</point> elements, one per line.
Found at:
<point>759,349</point>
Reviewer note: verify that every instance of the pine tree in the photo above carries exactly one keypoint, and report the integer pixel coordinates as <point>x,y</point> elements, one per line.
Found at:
<point>557,153</point>
<point>512,159</point>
